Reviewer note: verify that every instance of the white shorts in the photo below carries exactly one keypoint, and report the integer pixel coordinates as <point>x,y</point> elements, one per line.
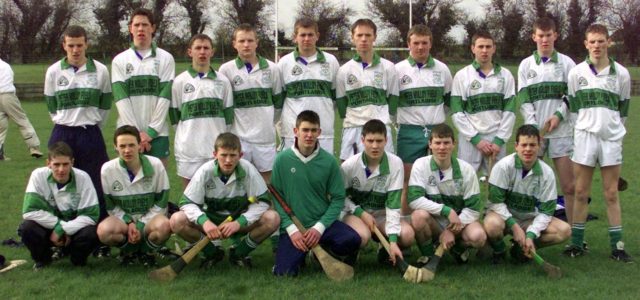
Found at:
<point>557,147</point>
<point>590,150</point>
<point>186,169</point>
<point>469,153</point>
<point>352,142</point>
<point>325,143</point>
<point>260,155</point>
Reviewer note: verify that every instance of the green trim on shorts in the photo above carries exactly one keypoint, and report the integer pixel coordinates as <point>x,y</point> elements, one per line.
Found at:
<point>413,142</point>
<point>159,147</point>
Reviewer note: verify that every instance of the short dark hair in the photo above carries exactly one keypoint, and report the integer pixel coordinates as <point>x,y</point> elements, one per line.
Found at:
<point>200,36</point>
<point>60,148</point>
<point>481,35</point>
<point>544,24</point>
<point>442,131</point>
<point>364,22</point>
<point>142,12</point>
<point>305,22</point>
<point>420,29</point>
<point>374,126</point>
<point>597,28</point>
<point>307,116</point>
<point>245,27</point>
<point>527,130</point>
<point>228,140</point>
<point>126,130</point>
<point>75,31</point>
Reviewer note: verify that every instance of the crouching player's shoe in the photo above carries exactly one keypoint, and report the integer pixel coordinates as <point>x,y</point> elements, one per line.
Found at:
<point>422,261</point>
<point>460,254</point>
<point>620,255</point>
<point>573,251</point>
<point>517,255</point>
<point>147,259</point>
<point>244,262</point>
<point>212,256</point>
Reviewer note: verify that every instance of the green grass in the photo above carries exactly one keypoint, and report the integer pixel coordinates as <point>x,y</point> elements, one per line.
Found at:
<point>594,276</point>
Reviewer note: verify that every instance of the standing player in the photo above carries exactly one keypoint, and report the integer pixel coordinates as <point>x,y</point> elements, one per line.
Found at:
<point>483,104</point>
<point>445,196</point>
<point>308,77</point>
<point>201,108</point>
<point>141,83</point>
<point>522,200</point>
<point>60,209</point>
<point>136,190</point>
<point>542,84</point>
<point>366,88</point>
<point>256,88</point>
<point>219,188</point>
<point>309,180</point>
<point>425,89</point>
<point>10,108</point>
<point>599,93</point>
<point>373,179</point>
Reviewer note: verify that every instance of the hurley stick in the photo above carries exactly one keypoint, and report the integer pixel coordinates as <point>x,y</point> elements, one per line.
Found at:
<point>409,272</point>
<point>551,270</point>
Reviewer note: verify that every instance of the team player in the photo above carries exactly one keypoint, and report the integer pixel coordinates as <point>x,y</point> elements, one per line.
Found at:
<point>599,93</point>
<point>78,94</point>
<point>201,108</point>
<point>483,104</point>
<point>445,196</point>
<point>522,200</point>
<point>256,88</point>
<point>10,108</point>
<point>308,179</point>
<point>308,77</point>
<point>136,190</point>
<point>542,84</point>
<point>219,188</point>
<point>60,209</point>
<point>373,179</point>
<point>141,82</point>
<point>366,88</point>
<point>425,88</point>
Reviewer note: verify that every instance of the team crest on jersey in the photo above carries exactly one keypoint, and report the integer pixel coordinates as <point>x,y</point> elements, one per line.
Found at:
<point>582,81</point>
<point>432,181</point>
<point>266,76</point>
<point>147,183</point>
<point>558,70</point>
<point>117,186</point>
<point>500,86</point>
<point>377,79</point>
<point>355,182</point>
<point>475,85</point>
<point>351,79</point>
<point>156,66</point>
<point>611,83</point>
<point>531,74</point>
<point>92,79</point>
<point>325,70</point>
<point>75,199</point>
<point>237,80</point>
<point>293,170</point>
<point>405,80</point>
<point>63,81</point>
<point>210,185</point>
<point>296,70</point>
<point>129,69</point>
<point>380,183</point>
<point>437,77</point>
<point>189,88</point>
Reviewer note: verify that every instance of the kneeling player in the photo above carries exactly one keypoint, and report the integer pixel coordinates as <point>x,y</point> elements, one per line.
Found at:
<point>445,196</point>
<point>373,180</point>
<point>217,189</point>
<point>60,209</point>
<point>522,196</point>
<point>136,189</point>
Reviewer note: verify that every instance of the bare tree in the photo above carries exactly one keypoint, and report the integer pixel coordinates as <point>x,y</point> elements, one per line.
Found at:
<point>333,20</point>
<point>8,24</point>
<point>195,11</point>
<point>254,12</point>
<point>33,15</point>
<point>623,17</point>
<point>112,40</point>
<point>63,11</point>
<point>505,22</point>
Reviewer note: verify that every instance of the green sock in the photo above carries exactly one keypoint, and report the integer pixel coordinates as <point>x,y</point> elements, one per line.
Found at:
<point>577,234</point>
<point>210,250</point>
<point>146,246</point>
<point>275,238</point>
<point>498,246</point>
<point>246,245</point>
<point>127,248</point>
<point>458,248</point>
<point>236,239</point>
<point>427,249</point>
<point>615,235</point>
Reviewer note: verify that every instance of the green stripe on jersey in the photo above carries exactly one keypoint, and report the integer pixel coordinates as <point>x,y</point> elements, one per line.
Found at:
<point>520,202</point>
<point>366,96</point>
<point>308,88</point>
<point>134,204</point>
<point>74,98</point>
<point>367,200</point>
<point>455,202</point>
<point>423,96</point>
<point>221,204</point>
<point>35,202</point>
<point>202,108</point>
<point>589,98</point>
<point>252,98</point>
<point>484,102</point>
<point>544,91</point>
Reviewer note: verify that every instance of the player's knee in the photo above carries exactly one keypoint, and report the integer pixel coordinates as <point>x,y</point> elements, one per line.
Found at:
<point>477,238</point>
<point>493,227</point>
<point>564,231</point>
<point>419,218</point>
<point>178,221</point>
<point>271,220</point>
<point>611,195</point>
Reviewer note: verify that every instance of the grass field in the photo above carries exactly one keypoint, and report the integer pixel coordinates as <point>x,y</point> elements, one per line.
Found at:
<point>594,276</point>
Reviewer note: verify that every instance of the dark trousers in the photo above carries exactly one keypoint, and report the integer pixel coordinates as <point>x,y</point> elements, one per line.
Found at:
<point>339,239</point>
<point>36,238</point>
<point>89,153</point>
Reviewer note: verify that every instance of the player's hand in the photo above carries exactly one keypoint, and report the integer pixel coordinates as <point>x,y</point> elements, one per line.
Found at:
<point>495,150</point>
<point>550,124</point>
<point>211,230</point>
<point>395,253</point>
<point>229,228</point>
<point>311,238</point>
<point>447,239</point>
<point>67,240</point>
<point>368,220</point>
<point>518,235</point>
<point>529,248</point>
<point>145,141</point>
<point>298,241</point>
<point>56,239</point>
<point>455,225</point>
<point>133,233</point>
<point>484,147</point>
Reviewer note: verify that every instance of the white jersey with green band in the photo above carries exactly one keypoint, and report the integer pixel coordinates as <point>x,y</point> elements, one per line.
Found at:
<point>140,199</point>
<point>78,96</point>
<point>308,84</point>
<point>66,209</point>
<point>366,93</point>
<point>438,192</point>
<point>600,102</point>
<point>541,86</point>
<point>380,190</point>
<point>201,108</point>
<point>483,104</point>
<point>254,96</point>
<point>517,195</point>
<point>424,92</point>
<point>208,196</point>
<point>141,87</point>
